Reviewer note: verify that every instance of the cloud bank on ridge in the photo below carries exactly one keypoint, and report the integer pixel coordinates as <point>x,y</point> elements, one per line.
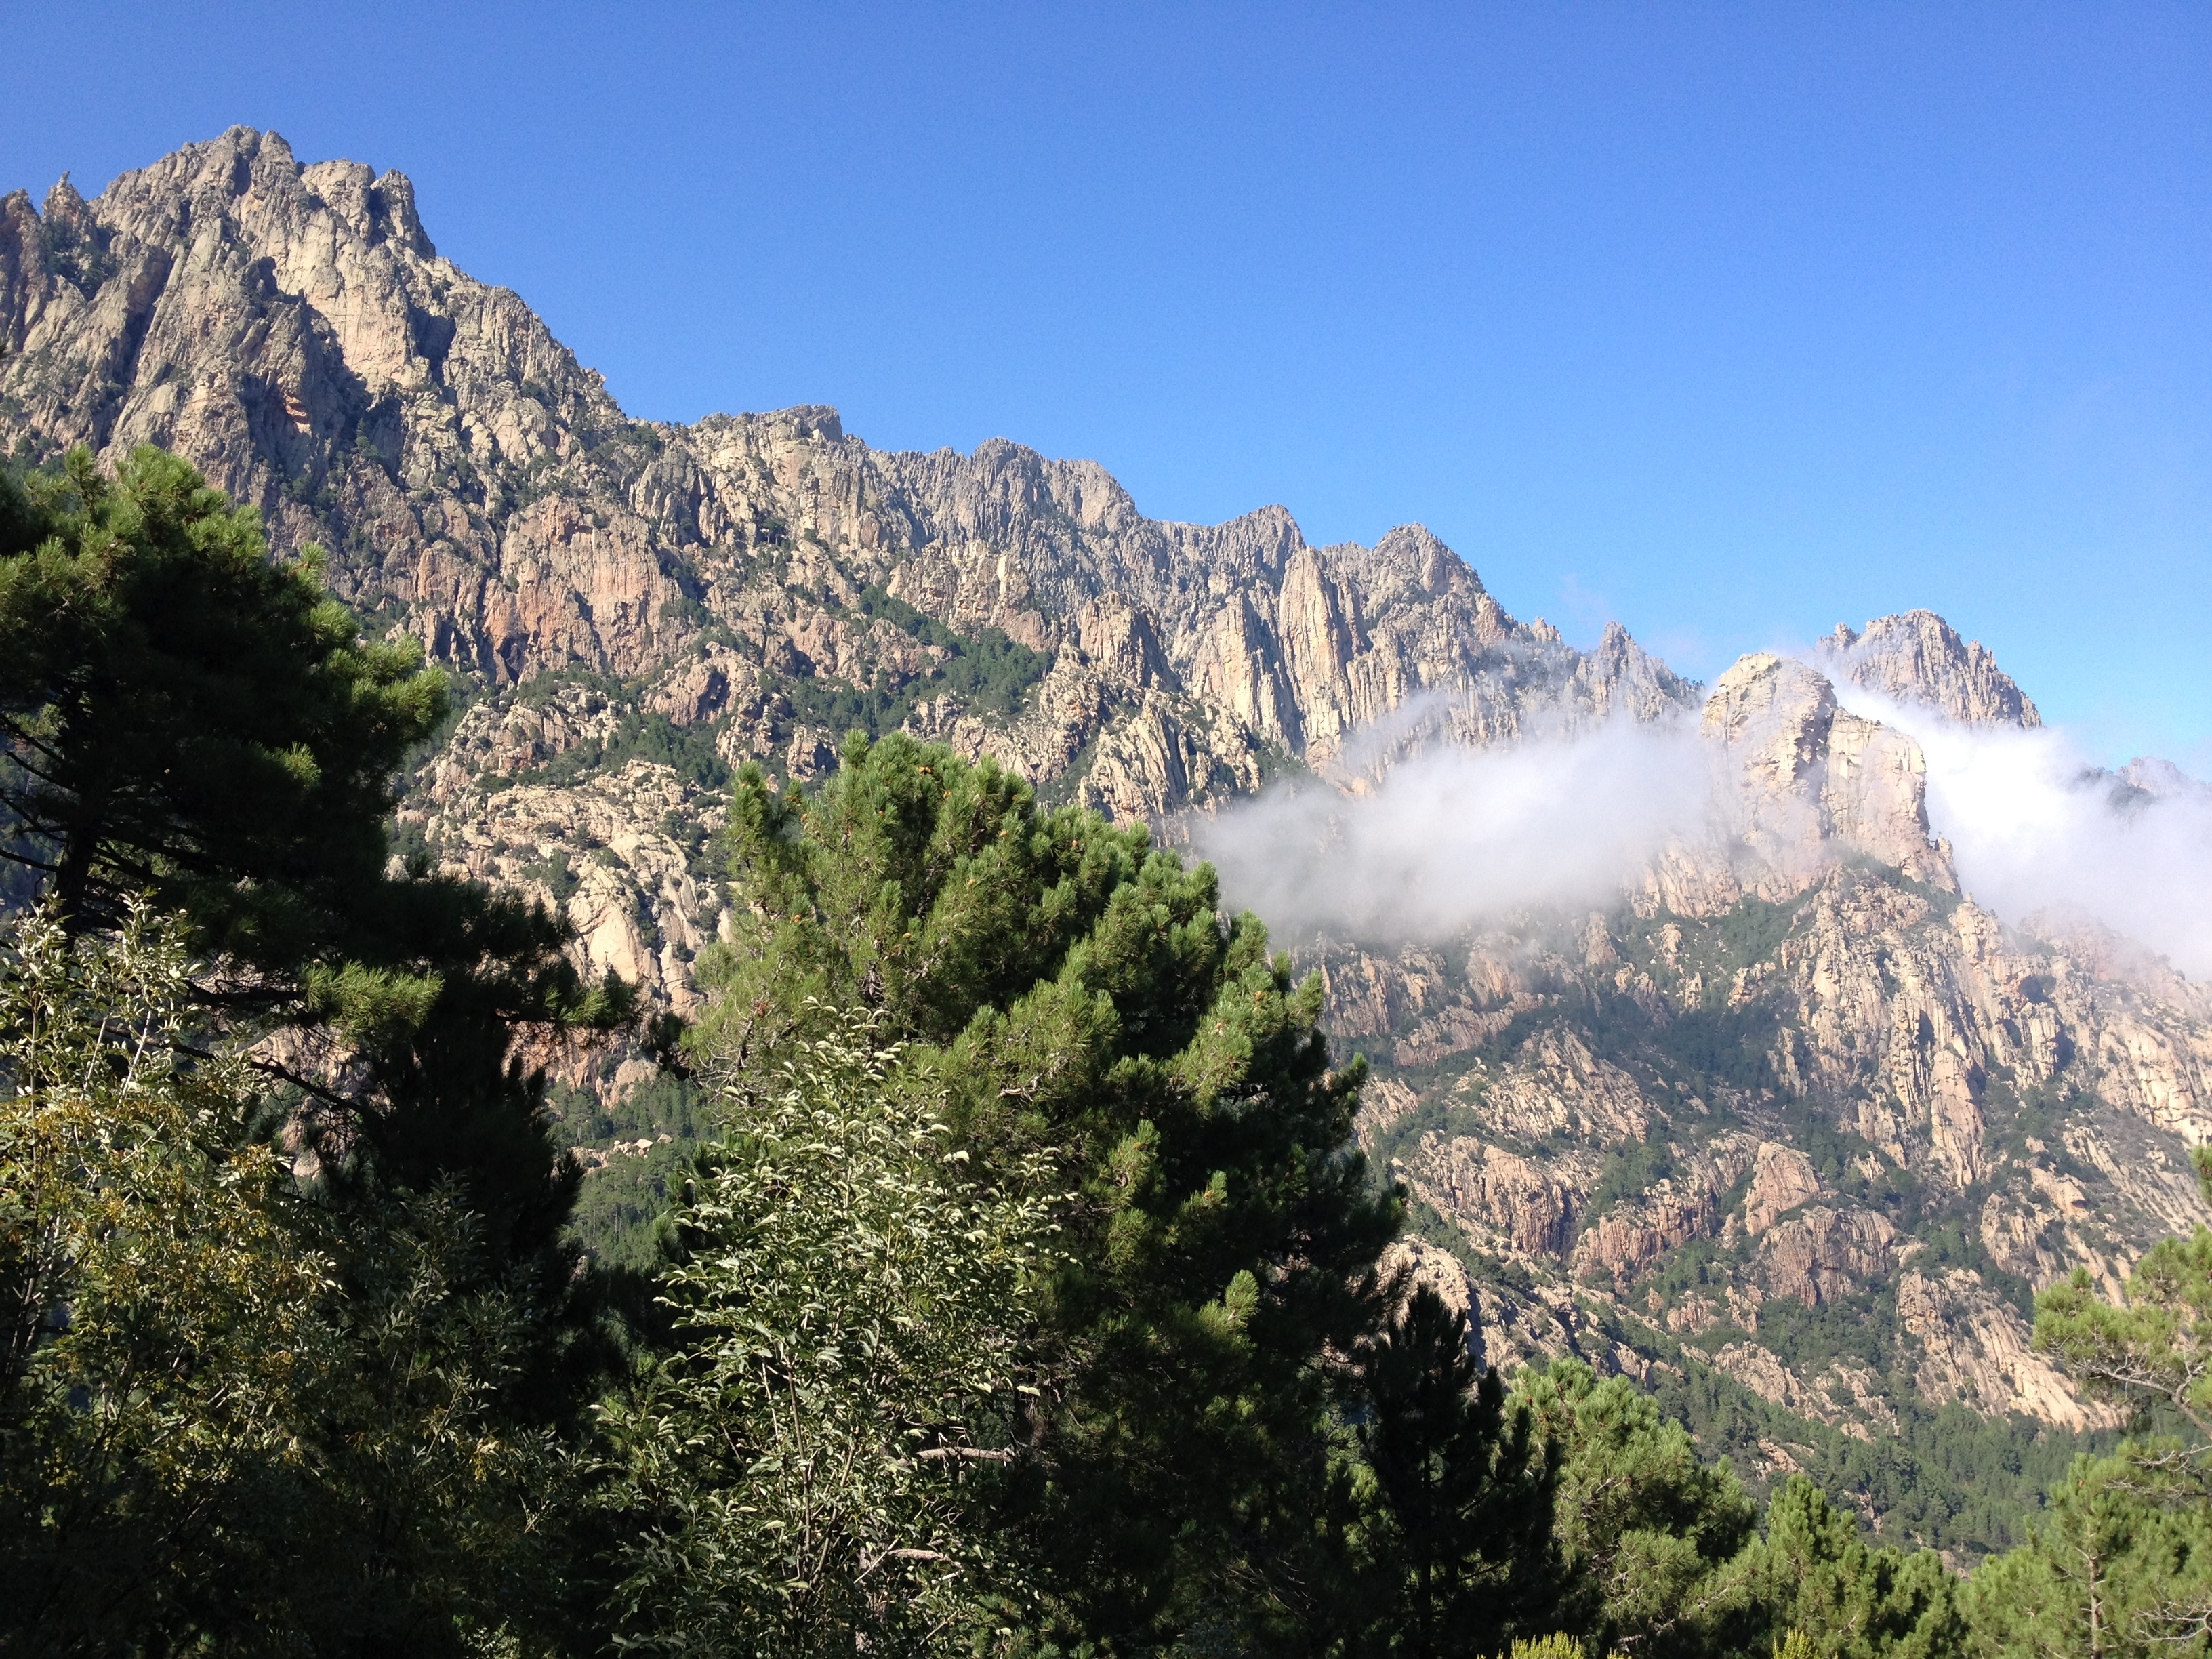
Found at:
<point>2034,826</point>
<point>1453,837</point>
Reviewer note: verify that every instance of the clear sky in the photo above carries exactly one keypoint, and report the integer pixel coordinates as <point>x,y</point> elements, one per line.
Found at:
<point>1732,322</point>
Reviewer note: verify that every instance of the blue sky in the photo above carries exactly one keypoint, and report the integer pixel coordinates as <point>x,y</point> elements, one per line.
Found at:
<point>1732,322</point>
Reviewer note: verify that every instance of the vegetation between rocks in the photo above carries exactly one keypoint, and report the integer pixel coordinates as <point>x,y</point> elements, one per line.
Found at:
<point>1015,1285</point>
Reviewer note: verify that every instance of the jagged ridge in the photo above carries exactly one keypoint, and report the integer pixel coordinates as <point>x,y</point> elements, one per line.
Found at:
<point>1795,1071</point>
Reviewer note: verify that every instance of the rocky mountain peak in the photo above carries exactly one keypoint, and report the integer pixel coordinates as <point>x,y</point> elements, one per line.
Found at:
<point>1919,658</point>
<point>2161,780</point>
<point>1778,710</point>
<point>65,210</point>
<point>376,208</point>
<point>1424,561</point>
<point>1789,1049</point>
<point>1807,785</point>
<point>291,330</point>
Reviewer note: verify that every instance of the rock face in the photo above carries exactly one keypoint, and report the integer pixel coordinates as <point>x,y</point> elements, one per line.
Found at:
<point>1794,1060</point>
<point>293,332</point>
<point>1919,658</point>
<point>1805,776</point>
<point>1794,1074</point>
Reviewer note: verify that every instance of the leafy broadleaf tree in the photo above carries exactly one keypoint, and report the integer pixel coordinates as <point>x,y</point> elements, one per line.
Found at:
<point>1059,983</point>
<point>808,1471</point>
<point>231,1419</point>
<point>1462,1533</point>
<point>160,1318</point>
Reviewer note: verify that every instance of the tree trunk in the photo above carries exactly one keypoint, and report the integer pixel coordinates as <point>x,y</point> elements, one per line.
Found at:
<point>73,877</point>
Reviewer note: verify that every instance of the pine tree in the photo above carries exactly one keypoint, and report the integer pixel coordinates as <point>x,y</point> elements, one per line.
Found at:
<point>1061,984</point>
<point>1465,1522</point>
<point>2120,1567</point>
<point>1838,1597</point>
<point>1652,1537</point>
<point>184,717</point>
<point>2123,1565</point>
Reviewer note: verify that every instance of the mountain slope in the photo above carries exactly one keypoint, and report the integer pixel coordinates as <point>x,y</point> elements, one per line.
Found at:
<point>1791,1130</point>
<point>292,333</point>
<point>1797,1113</point>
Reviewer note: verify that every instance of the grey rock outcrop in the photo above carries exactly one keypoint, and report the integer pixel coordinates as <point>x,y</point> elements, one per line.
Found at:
<point>293,332</point>
<point>1623,1088</point>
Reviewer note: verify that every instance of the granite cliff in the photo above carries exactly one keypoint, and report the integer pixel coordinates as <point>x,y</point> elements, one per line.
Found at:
<point>1794,1117</point>
<point>759,582</point>
<point>1796,1069</point>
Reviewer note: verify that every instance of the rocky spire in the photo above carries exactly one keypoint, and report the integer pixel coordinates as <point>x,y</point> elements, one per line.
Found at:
<point>1919,658</point>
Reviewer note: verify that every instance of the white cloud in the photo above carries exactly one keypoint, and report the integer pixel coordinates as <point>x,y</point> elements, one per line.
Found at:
<point>2034,826</point>
<point>1453,837</point>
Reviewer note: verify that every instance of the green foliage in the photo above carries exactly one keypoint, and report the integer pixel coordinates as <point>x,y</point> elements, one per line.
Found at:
<point>1650,1534</point>
<point>155,1310</point>
<point>184,718</point>
<point>1720,1045</point>
<point>1841,1598</point>
<point>804,1474</point>
<point>1661,1556</point>
<point>1949,1479</point>
<point>1955,1241</point>
<point>1631,1170</point>
<point>2036,1113</point>
<point>231,1419</point>
<point>1861,1326</point>
<point>2152,1351</point>
<point>556,873</point>
<point>621,1203</point>
<point>638,734</point>
<point>434,985</point>
<point>1712,949</point>
<point>1460,1543</point>
<point>1061,983</point>
<point>988,672</point>
<point>1432,1115</point>
<point>1557,1645</point>
<point>2122,1567</point>
<point>1025,1299</point>
<point>1753,930</point>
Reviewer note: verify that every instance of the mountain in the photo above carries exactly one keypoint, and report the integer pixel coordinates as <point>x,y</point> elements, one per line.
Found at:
<point>1797,1103</point>
<point>1791,1130</point>
<point>755,582</point>
<point>1919,658</point>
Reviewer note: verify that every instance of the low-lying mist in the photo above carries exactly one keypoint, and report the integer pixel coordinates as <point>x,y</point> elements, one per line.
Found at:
<point>2034,826</point>
<point>1453,837</point>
